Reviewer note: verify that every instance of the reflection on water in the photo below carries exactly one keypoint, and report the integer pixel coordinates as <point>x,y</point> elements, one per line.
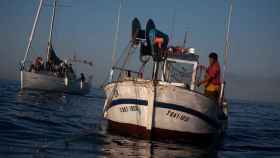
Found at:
<point>140,148</point>
<point>115,146</point>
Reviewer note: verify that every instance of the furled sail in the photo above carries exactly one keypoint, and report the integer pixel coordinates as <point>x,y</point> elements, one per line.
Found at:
<point>52,58</point>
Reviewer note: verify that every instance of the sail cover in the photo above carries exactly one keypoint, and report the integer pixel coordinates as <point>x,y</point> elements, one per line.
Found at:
<point>52,58</point>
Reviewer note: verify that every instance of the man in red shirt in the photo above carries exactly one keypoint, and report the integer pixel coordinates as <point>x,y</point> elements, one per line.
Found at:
<point>212,79</point>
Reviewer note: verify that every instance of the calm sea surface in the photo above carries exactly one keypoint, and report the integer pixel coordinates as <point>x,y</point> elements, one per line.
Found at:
<point>45,125</point>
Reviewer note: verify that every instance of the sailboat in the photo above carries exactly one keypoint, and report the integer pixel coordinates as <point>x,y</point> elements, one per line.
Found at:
<point>167,104</point>
<point>54,75</point>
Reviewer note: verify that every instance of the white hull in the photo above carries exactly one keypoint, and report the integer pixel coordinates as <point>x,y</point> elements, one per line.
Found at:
<point>175,109</point>
<point>45,82</point>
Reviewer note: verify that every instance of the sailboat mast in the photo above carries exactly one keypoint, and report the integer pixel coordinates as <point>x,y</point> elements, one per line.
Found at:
<point>32,33</point>
<point>51,26</point>
<point>52,21</point>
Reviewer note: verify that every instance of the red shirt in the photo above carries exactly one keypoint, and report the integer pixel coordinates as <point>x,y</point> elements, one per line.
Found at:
<point>213,71</point>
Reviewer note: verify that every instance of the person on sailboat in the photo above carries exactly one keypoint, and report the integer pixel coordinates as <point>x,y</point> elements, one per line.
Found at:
<point>212,79</point>
<point>39,64</point>
<point>83,79</point>
<point>32,68</point>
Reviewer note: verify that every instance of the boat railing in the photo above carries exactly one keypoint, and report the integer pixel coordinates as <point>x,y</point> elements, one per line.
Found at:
<point>50,72</point>
<point>124,73</point>
<point>26,65</point>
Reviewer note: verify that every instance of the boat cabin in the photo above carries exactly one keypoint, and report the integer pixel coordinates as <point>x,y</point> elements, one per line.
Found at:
<point>180,69</point>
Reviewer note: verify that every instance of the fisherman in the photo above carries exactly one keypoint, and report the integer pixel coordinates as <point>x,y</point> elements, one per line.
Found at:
<point>159,41</point>
<point>212,79</point>
<point>61,70</point>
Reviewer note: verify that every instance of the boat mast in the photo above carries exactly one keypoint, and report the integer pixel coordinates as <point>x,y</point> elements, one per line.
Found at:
<point>226,51</point>
<point>227,46</point>
<point>32,33</point>
<point>51,27</point>
<point>115,40</point>
<point>52,21</point>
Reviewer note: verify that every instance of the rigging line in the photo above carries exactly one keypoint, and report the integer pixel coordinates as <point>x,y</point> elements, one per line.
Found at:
<point>110,98</point>
<point>125,52</point>
<point>32,32</point>
<point>122,55</point>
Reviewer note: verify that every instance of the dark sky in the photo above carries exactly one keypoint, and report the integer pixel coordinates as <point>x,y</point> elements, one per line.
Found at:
<point>86,27</point>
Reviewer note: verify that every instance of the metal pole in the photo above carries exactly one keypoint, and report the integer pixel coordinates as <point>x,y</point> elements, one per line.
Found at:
<point>32,33</point>
<point>116,33</point>
<point>51,27</point>
<point>185,39</point>
<point>115,40</point>
<point>226,52</point>
<point>227,39</point>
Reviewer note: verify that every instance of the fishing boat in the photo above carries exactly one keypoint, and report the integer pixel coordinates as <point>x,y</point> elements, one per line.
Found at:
<point>54,75</point>
<point>168,105</point>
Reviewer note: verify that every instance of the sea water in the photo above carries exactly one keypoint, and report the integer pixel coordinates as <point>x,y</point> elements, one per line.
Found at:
<point>55,125</point>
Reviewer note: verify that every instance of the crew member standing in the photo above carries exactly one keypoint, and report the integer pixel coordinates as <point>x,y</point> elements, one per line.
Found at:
<point>212,80</point>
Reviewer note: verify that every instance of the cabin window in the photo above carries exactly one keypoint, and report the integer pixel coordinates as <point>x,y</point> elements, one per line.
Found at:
<point>179,72</point>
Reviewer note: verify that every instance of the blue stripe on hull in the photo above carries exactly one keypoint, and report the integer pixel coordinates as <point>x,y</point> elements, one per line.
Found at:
<point>188,111</point>
<point>168,106</point>
<point>129,101</point>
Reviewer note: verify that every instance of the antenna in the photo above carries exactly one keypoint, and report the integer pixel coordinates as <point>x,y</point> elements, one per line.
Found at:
<point>32,32</point>
<point>185,39</point>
